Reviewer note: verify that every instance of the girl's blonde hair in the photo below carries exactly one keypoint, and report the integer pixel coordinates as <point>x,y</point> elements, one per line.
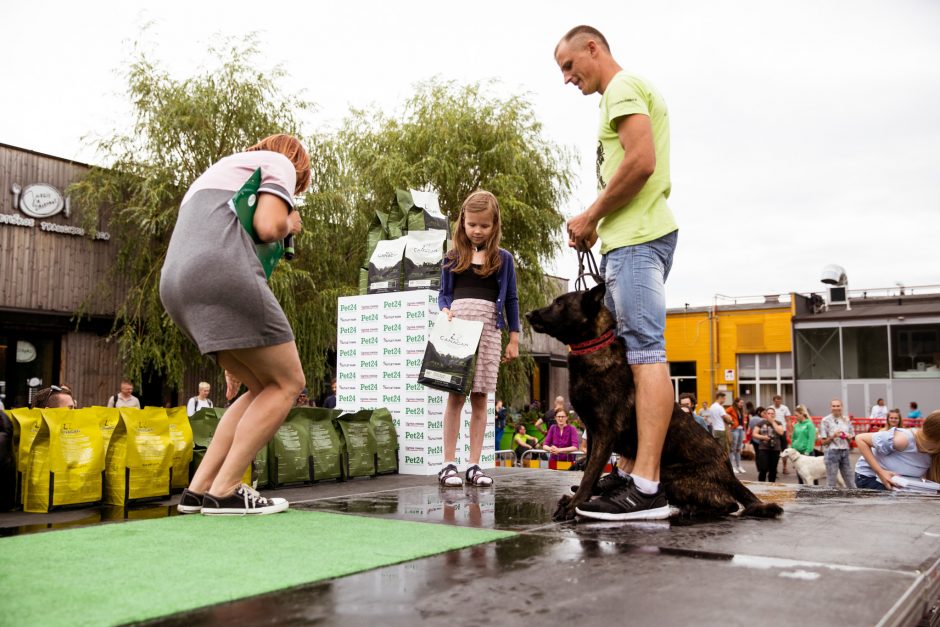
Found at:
<point>290,147</point>
<point>801,410</point>
<point>928,441</point>
<point>461,256</point>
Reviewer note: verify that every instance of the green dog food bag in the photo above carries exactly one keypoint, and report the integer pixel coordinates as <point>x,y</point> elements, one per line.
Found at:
<point>290,453</point>
<point>326,445</point>
<point>359,442</point>
<point>386,441</point>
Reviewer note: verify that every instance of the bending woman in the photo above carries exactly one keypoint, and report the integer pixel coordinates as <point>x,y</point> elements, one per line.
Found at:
<point>214,288</point>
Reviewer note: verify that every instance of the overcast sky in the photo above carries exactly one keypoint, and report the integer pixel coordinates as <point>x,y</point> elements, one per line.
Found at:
<point>804,132</point>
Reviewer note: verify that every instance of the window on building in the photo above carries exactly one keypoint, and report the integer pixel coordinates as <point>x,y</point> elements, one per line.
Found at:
<point>915,351</point>
<point>817,354</point>
<point>865,352</point>
<point>761,376</point>
<point>683,377</point>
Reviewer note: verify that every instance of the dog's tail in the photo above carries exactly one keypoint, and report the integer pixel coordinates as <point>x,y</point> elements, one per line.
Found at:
<point>753,506</point>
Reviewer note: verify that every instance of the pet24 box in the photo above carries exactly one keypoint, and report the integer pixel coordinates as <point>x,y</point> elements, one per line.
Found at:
<point>381,341</point>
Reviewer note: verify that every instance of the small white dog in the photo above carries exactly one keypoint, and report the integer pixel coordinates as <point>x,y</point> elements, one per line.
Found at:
<point>809,467</point>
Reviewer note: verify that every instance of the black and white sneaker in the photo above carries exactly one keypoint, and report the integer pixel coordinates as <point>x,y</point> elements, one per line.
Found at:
<point>190,502</point>
<point>245,500</point>
<point>609,482</point>
<point>478,478</point>
<point>627,503</point>
<point>449,477</point>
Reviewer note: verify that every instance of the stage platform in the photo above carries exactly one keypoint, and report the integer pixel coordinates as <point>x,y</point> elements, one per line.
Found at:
<point>834,558</point>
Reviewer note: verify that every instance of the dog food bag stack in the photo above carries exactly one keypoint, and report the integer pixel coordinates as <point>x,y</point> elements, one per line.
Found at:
<point>139,457</point>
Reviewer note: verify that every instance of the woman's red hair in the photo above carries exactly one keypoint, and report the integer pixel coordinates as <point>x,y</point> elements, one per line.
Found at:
<point>290,147</point>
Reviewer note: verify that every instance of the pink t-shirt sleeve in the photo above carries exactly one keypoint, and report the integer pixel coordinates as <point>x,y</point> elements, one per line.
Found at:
<point>278,176</point>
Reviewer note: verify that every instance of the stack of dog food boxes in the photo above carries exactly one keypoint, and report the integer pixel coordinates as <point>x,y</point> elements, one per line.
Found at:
<point>380,346</point>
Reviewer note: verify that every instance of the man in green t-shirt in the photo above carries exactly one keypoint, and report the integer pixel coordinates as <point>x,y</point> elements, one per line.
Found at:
<point>638,239</point>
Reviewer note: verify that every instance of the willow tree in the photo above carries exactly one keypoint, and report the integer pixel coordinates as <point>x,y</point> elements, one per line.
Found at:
<point>180,128</point>
<point>453,139</point>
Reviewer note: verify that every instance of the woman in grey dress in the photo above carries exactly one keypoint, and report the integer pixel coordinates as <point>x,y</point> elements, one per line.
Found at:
<point>214,287</point>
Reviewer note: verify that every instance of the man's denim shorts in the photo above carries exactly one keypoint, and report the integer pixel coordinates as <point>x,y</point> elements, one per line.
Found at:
<point>636,277</point>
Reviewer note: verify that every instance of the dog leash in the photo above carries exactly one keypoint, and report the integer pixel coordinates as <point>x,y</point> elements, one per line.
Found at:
<point>586,259</point>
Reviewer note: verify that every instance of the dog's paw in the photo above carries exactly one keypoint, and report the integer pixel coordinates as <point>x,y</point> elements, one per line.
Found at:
<point>565,509</point>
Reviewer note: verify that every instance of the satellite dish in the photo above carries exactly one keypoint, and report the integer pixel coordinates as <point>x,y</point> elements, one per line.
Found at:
<point>834,275</point>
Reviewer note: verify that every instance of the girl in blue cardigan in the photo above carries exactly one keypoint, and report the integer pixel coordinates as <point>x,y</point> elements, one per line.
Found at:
<point>478,282</point>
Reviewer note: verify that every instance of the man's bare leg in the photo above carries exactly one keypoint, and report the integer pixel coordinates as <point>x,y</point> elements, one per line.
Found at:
<point>654,405</point>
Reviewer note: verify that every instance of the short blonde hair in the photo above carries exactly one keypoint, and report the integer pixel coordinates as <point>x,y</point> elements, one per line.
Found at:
<point>204,385</point>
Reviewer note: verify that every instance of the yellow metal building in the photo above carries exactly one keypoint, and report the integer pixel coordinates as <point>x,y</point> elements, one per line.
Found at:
<point>745,349</point>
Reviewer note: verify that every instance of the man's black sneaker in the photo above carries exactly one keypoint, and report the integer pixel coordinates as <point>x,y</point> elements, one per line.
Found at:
<point>626,503</point>
<point>245,500</point>
<point>610,481</point>
<point>190,502</point>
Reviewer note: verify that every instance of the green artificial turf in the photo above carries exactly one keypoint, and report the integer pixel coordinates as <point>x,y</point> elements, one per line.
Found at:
<point>118,573</point>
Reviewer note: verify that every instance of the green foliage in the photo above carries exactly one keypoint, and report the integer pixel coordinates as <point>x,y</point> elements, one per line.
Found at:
<point>181,127</point>
<point>449,138</point>
<point>454,139</point>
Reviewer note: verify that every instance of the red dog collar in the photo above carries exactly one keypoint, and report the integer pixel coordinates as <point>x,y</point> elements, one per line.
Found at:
<point>583,348</point>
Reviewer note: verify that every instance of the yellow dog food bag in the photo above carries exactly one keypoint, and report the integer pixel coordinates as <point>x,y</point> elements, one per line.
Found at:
<point>65,461</point>
<point>107,418</point>
<point>26,425</point>
<point>181,434</point>
<point>137,464</point>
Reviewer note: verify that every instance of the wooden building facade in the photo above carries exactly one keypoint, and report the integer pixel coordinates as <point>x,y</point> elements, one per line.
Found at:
<point>49,271</point>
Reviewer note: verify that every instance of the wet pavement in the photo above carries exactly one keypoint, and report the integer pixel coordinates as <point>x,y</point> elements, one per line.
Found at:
<point>835,557</point>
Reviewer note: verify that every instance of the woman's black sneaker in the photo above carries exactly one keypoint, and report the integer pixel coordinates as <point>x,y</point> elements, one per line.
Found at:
<point>190,502</point>
<point>627,503</point>
<point>245,500</point>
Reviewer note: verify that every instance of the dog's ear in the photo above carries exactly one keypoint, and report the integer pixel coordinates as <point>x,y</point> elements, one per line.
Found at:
<point>597,292</point>
<point>593,299</point>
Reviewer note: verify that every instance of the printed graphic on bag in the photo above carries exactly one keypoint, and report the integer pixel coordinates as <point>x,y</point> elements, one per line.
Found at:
<point>385,266</point>
<point>450,357</point>
<point>423,253</point>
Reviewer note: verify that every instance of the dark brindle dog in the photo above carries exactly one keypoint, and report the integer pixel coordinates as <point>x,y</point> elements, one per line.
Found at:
<point>694,470</point>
